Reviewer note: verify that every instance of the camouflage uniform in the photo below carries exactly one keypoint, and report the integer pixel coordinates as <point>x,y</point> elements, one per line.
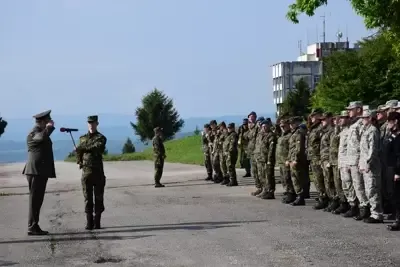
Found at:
<point>281,155</point>
<point>370,167</point>
<point>314,156</point>
<point>244,157</point>
<point>206,153</point>
<point>215,156</point>
<point>90,149</point>
<point>333,160</point>
<point>297,154</point>
<point>326,166</point>
<point>251,136</point>
<point>222,154</point>
<point>231,143</point>
<point>158,156</point>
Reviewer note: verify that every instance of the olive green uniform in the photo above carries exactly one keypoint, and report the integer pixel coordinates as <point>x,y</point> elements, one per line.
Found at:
<point>244,157</point>
<point>282,152</point>
<point>159,157</point>
<point>207,155</point>
<point>231,145</point>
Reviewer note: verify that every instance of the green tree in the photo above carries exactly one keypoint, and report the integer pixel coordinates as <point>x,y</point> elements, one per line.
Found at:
<point>3,125</point>
<point>197,131</point>
<point>297,102</point>
<point>157,110</point>
<point>128,147</point>
<point>371,75</point>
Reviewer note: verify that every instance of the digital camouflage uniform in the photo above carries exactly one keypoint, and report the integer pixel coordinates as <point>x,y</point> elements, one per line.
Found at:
<point>244,157</point>
<point>215,156</point>
<point>370,166</point>
<point>297,154</point>
<point>265,147</point>
<point>251,136</point>
<point>90,150</point>
<point>314,156</point>
<point>333,160</point>
<point>231,154</point>
<point>207,154</point>
<point>158,157</point>
<point>326,165</point>
<point>282,152</point>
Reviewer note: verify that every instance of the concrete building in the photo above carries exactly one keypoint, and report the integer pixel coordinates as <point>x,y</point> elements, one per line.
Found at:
<point>308,67</point>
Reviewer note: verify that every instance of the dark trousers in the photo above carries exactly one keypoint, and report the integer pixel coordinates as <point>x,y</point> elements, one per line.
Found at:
<point>37,190</point>
<point>93,183</point>
<point>158,169</point>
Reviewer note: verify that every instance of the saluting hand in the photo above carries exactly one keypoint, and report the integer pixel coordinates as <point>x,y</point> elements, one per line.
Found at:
<point>50,124</point>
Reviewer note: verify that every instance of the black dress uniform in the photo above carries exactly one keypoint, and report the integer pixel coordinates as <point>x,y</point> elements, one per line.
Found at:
<point>39,167</point>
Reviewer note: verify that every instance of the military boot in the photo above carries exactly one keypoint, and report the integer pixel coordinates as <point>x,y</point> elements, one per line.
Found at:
<point>344,207</point>
<point>263,192</point>
<point>290,198</point>
<point>353,211</point>
<point>321,204</point>
<point>225,181</point>
<point>299,201</point>
<point>333,205</point>
<point>247,175</point>
<point>209,178</point>
<point>89,221</point>
<point>159,185</point>
<point>233,182</point>
<point>396,225</point>
<point>97,219</point>
<point>363,214</point>
<point>258,191</point>
<point>218,179</point>
<point>268,195</point>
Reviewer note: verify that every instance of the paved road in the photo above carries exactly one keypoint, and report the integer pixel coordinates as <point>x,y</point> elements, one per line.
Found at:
<point>188,223</point>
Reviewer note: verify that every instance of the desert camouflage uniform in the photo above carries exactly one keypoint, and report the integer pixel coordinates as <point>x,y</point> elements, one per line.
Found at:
<point>370,165</point>
<point>333,160</point>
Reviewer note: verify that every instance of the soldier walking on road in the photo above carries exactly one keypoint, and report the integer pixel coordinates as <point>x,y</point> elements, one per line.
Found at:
<point>231,154</point>
<point>90,149</point>
<point>159,156</point>
<point>39,167</point>
<point>297,159</point>
<point>206,151</point>
<point>282,152</point>
<point>244,157</point>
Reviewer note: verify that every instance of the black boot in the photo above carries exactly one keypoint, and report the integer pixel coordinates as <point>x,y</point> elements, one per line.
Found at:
<point>353,211</point>
<point>396,225</point>
<point>89,221</point>
<point>97,219</point>
<point>344,207</point>
<point>247,175</point>
<point>209,178</point>
<point>232,182</point>
<point>290,198</point>
<point>321,204</point>
<point>225,181</point>
<point>333,205</point>
<point>268,195</point>
<point>363,214</point>
<point>299,201</point>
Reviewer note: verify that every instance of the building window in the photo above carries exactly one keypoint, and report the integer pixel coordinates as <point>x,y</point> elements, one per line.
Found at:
<point>316,78</point>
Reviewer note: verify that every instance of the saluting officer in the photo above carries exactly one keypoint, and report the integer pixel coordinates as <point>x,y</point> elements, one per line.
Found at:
<point>39,167</point>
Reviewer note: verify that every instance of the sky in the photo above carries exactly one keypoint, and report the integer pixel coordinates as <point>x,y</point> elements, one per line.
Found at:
<point>212,57</point>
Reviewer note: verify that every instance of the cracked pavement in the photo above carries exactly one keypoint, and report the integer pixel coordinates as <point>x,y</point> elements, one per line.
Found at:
<point>190,222</point>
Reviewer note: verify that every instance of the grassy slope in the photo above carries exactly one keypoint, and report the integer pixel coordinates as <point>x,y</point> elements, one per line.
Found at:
<point>186,150</point>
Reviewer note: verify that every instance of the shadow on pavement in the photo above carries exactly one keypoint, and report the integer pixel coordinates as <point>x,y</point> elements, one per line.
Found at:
<point>50,238</point>
<point>8,263</point>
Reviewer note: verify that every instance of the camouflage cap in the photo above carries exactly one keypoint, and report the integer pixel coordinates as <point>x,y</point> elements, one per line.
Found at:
<point>316,111</point>
<point>391,104</point>
<point>381,108</point>
<point>397,107</point>
<point>326,115</point>
<point>368,113</point>
<point>231,125</point>
<point>295,119</point>
<point>43,115</point>
<point>93,118</point>
<point>157,129</point>
<point>393,116</point>
<point>344,114</point>
<point>354,104</point>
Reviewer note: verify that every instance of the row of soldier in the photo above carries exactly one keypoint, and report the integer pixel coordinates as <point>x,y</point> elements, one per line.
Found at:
<point>352,157</point>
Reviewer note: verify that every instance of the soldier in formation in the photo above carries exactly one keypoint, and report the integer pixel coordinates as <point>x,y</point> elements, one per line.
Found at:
<point>207,151</point>
<point>244,157</point>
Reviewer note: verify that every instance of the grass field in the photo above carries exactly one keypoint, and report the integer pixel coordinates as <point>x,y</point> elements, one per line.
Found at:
<point>186,150</point>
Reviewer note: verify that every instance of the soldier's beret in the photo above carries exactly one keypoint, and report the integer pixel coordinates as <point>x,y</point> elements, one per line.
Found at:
<point>93,118</point>
<point>222,124</point>
<point>266,122</point>
<point>245,121</point>
<point>231,125</point>
<point>316,111</point>
<point>42,116</point>
<point>253,113</point>
<point>207,125</point>
<point>260,119</point>
<point>158,129</point>
<point>393,116</point>
<point>213,122</point>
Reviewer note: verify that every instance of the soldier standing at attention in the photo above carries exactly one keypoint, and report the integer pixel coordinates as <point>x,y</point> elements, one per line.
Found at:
<point>282,152</point>
<point>90,149</point>
<point>159,156</point>
<point>314,156</point>
<point>39,167</point>
<point>251,136</point>
<point>370,167</point>
<point>244,157</point>
<point>222,154</point>
<point>297,159</point>
<point>231,154</point>
<point>206,151</point>
<point>215,152</point>
<point>352,180</point>
<point>339,197</point>
<point>327,129</point>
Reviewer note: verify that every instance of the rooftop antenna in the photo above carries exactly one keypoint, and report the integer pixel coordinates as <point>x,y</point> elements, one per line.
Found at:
<point>323,28</point>
<point>347,34</point>
<point>316,27</point>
